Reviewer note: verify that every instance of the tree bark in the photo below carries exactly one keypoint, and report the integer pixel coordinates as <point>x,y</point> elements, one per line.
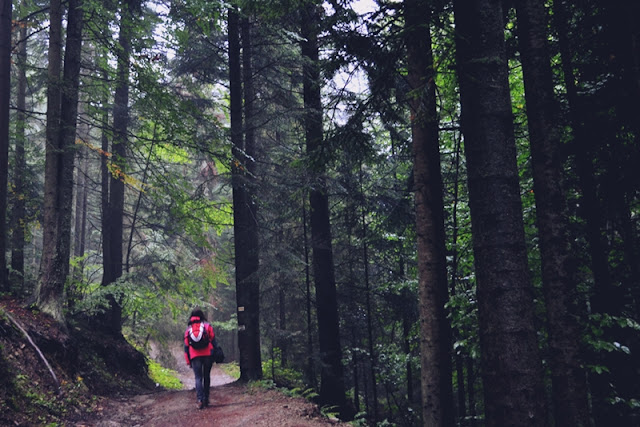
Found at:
<point>247,286</point>
<point>115,213</point>
<point>435,333</point>
<point>105,178</point>
<point>79,229</point>
<point>606,297</point>
<point>251,281</point>
<point>620,22</point>
<point>332,391</point>
<point>368,303</point>
<point>511,364</point>
<point>623,43</point>
<point>50,297</point>
<point>68,124</point>
<point>5,101</point>
<point>310,368</point>
<point>559,286</point>
<point>54,70</point>
<point>237,143</point>
<point>455,257</point>
<point>18,215</point>
<point>604,181</point>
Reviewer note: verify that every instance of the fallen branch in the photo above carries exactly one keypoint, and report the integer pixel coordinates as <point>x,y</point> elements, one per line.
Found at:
<point>44,359</point>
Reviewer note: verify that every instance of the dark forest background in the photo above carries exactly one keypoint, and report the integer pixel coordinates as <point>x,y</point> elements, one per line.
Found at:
<point>421,212</point>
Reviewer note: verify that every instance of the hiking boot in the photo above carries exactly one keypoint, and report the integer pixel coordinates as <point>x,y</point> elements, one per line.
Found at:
<point>206,402</point>
<point>200,404</point>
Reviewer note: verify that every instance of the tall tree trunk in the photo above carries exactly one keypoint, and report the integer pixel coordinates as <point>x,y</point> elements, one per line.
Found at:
<point>620,21</point>
<point>68,124</point>
<point>81,198</point>
<point>369,305</point>
<point>54,71</point>
<point>332,391</point>
<point>356,376</point>
<point>623,43</point>
<point>18,214</point>
<point>247,293</point>
<point>5,101</point>
<point>50,297</point>
<point>112,262</point>
<point>435,333</point>
<point>80,226</point>
<point>406,348</point>
<point>568,377</point>
<point>237,147</point>
<point>310,369</point>
<point>606,296</point>
<point>105,176</point>
<point>455,256</point>
<point>511,364</point>
<point>471,391</point>
<point>282,325</point>
<point>251,282</point>
<point>80,209</point>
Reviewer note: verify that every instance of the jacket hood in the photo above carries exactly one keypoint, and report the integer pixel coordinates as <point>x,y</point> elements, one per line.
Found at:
<point>195,319</point>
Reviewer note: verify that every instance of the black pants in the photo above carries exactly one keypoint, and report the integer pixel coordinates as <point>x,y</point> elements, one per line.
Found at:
<point>202,370</point>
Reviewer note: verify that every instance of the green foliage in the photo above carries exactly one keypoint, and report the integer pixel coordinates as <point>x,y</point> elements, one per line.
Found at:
<point>261,384</point>
<point>95,297</point>
<point>232,369</point>
<point>148,297</point>
<point>199,215</point>
<point>463,309</point>
<point>164,377</point>
<point>331,412</point>
<point>50,407</point>
<point>598,339</point>
<point>171,154</point>
<point>360,420</point>
<point>229,325</point>
<point>281,375</point>
<point>307,393</point>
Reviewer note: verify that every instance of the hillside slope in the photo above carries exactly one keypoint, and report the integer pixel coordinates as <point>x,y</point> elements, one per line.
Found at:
<point>85,365</point>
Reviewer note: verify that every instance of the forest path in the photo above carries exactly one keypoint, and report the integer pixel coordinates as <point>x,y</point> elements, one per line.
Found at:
<point>232,405</point>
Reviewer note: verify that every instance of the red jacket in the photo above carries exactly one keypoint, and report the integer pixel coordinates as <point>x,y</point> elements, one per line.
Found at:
<point>190,352</point>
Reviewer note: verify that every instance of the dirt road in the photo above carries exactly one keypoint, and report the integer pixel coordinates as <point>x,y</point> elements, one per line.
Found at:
<point>232,405</point>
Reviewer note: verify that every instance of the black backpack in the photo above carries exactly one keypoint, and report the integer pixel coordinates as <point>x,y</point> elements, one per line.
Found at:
<point>198,335</point>
<point>217,353</point>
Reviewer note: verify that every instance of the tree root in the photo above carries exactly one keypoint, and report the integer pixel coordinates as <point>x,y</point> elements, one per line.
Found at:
<point>33,344</point>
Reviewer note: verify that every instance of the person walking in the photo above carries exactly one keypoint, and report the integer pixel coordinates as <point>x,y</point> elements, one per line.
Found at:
<point>198,339</point>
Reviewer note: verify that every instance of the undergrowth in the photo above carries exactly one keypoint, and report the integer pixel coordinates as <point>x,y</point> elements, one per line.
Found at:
<point>232,369</point>
<point>164,377</point>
